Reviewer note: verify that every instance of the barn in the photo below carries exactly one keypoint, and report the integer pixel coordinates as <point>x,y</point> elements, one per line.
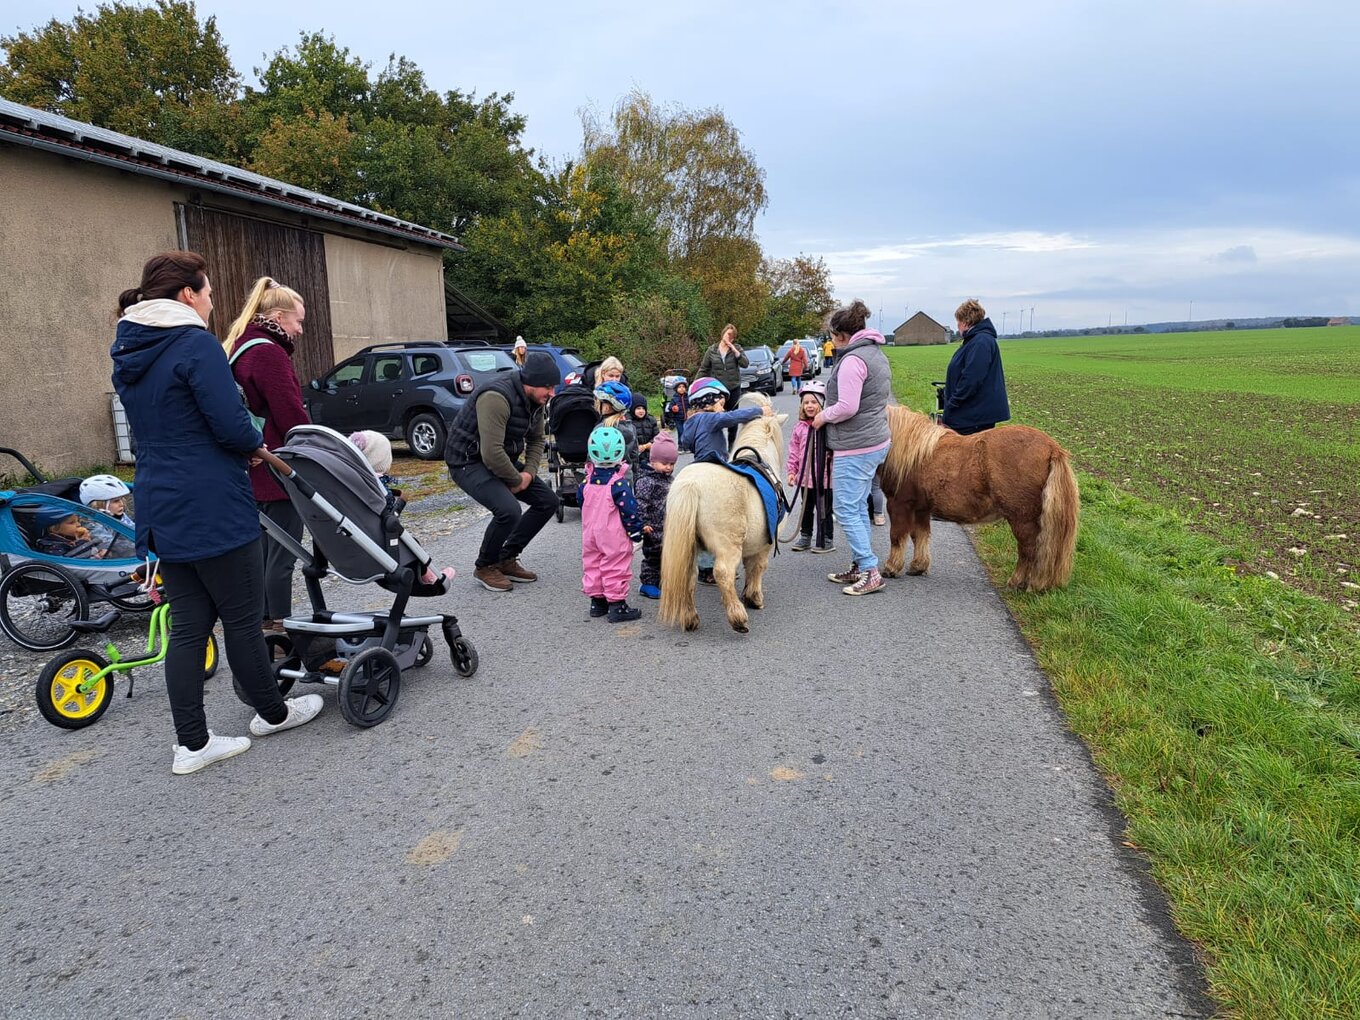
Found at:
<point>85,207</point>
<point>920,329</point>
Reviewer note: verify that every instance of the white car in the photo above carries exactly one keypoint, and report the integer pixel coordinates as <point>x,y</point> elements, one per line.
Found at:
<point>814,353</point>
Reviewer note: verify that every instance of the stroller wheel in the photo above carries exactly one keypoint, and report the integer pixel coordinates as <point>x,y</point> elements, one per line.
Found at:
<point>464,656</point>
<point>38,603</point>
<point>210,658</point>
<point>561,509</point>
<point>60,699</point>
<point>426,652</point>
<point>369,686</point>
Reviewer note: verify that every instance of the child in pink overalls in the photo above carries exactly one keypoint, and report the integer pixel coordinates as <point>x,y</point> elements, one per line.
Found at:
<point>610,524</point>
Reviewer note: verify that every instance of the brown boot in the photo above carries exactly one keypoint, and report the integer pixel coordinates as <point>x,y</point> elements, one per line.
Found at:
<point>491,578</point>
<point>512,570</point>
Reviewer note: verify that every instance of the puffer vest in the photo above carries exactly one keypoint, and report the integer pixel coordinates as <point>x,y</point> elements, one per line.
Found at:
<point>464,442</point>
<point>869,426</point>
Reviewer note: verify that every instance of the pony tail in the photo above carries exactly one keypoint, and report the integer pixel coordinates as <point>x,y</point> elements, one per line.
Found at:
<point>678,556</point>
<point>128,298</point>
<point>1058,516</point>
<point>252,306</point>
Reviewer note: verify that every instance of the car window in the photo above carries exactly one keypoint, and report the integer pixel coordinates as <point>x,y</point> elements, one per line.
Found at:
<point>487,361</point>
<point>388,368</point>
<point>572,360</point>
<point>424,364</point>
<point>347,374</point>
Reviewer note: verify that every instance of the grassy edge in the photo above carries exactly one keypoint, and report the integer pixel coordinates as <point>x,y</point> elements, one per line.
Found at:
<point>1223,712</point>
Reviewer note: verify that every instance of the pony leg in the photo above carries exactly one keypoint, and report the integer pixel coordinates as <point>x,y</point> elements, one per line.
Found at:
<point>920,541</point>
<point>899,532</point>
<point>725,573</point>
<point>753,592</point>
<point>1027,559</point>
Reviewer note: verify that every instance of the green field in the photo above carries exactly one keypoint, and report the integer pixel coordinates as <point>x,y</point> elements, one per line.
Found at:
<point>1253,436</point>
<point>1213,672</point>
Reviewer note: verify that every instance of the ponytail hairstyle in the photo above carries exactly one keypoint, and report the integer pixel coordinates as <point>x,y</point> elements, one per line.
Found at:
<point>266,297</point>
<point>849,320</point>
<point>164,276</point>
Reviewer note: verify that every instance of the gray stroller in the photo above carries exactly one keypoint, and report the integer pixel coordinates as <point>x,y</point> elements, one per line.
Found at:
<point>358,536</point>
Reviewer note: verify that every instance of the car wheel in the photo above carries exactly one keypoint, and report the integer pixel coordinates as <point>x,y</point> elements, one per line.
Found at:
<point>425,436</point>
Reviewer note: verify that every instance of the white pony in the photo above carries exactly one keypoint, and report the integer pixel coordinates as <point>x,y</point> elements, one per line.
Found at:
<point>714,508</point>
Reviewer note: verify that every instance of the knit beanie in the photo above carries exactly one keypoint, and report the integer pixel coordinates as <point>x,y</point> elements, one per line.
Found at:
<point>376,448</point>
<point>664,450</point>
<point>540,370</point>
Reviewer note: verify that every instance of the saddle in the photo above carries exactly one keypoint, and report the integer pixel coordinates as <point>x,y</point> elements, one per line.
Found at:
<point>748,463</point>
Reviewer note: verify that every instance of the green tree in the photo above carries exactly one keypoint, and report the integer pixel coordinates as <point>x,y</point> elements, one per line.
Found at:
<point>799,299</point>
<point>153,72</point>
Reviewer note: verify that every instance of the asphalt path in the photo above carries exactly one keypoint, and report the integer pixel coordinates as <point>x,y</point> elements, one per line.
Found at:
<point>865,807</point>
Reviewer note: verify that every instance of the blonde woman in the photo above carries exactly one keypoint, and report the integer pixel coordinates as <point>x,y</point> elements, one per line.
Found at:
<point>260,348</point>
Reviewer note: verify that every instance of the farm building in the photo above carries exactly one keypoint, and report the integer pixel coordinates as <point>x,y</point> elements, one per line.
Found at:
<point>920,329</point>
<point>85,207</point>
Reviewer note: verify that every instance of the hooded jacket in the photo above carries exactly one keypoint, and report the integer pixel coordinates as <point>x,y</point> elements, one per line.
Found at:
<point>194,436</point>
<point>974,385</point>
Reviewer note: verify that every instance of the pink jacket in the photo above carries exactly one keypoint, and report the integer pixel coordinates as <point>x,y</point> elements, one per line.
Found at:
<point>802,434</point>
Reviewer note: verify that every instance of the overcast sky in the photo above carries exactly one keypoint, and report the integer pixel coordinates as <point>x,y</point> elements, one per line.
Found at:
<point>1148,159</point>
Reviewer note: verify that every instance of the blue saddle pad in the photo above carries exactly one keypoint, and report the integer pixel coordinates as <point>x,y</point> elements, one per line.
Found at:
<point>774,507</point>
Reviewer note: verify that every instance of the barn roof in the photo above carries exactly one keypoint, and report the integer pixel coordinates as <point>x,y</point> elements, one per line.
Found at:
<point>921,315</point>
<point>38,129</point>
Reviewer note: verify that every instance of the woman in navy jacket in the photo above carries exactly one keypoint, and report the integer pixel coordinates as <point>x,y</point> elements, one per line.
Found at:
<point>974,385</point>
<point>195,509</point>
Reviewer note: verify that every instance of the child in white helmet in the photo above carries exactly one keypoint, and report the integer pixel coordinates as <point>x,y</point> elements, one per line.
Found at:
<point>108,495</point>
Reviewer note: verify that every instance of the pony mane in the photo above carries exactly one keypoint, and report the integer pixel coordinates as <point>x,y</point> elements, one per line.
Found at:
<point>914,437</point>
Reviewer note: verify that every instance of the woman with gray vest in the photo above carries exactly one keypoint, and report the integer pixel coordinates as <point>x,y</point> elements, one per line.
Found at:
<point>856,421</point>
<point>494,450</point>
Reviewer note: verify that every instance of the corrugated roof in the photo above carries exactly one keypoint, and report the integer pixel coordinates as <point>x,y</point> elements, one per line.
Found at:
<point>24,125</point>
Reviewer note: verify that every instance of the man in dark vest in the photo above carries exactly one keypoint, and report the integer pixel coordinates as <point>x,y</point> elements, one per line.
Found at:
<point>494,450</point>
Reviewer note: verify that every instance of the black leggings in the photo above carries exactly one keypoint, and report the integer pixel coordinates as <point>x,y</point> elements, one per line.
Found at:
<point>229,587</point>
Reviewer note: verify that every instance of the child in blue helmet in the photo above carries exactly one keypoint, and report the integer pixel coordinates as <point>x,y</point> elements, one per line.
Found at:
<point>705,436</point>
<point>610,524</point>
<point>615,402</point>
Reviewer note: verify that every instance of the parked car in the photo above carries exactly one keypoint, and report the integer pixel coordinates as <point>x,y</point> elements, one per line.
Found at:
<point>814,353</point>
<point>762,374</point>
<point>409,391</point>
<point>568,360</point>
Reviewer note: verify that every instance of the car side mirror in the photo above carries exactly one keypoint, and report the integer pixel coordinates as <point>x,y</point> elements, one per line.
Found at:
<point>315,384</point>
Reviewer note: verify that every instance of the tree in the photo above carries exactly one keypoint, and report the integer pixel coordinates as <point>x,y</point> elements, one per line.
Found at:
<point>799,299</point>
<point>152,72</point>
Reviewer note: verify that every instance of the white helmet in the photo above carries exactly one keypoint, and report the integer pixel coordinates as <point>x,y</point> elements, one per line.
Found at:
<point>101,487</point>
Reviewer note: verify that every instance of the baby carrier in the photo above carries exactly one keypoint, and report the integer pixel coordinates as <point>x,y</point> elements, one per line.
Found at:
<point>572,415</point>
<point>357,536</point>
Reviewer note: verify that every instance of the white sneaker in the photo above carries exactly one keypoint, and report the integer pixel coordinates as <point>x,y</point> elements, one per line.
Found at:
<point>216,749</point>
<point>300,710</point>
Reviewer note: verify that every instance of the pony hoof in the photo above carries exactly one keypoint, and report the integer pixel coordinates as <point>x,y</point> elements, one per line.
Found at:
<point>890,572</point>
<point>916,571</point>
<point>741,627</point>
<point>752,603</point>
<point>692,624</point>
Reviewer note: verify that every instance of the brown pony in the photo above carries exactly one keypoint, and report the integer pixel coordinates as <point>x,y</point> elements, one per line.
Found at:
<point>1017,473</point>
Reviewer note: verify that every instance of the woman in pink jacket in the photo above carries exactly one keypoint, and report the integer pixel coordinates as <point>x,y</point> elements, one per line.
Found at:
<point>809,469</point>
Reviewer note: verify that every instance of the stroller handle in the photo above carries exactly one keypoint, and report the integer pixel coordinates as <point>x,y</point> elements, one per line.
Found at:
<point>282,470</point>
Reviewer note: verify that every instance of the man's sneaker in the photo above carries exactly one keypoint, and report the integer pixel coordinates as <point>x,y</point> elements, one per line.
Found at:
<point>706,576</point>
<point>599,606</point>
<point>622,612</point>
<point>869,581</point>
<point>491,578</point>
<point>649,591</point>
<point>512,570</point>
<point>845,577</point>
<point>822,548</point>
<point>879,520</point>
<point>216,749</point>
<point>300,710</point>
<point>802,545</point>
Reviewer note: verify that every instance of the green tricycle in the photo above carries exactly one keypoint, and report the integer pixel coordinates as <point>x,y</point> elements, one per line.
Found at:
<point>76,686</point>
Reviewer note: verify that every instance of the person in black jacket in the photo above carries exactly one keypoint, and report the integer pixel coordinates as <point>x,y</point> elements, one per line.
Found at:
<point>494,450</point>
<point>645,428</point>
<point>974,384</point>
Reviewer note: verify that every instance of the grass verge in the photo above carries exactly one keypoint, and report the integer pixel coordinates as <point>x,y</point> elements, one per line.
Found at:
<point>1224,711</point>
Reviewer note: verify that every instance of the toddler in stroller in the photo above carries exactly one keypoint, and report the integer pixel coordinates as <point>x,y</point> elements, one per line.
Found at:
<point>572,415</point>
<point>358,536</point>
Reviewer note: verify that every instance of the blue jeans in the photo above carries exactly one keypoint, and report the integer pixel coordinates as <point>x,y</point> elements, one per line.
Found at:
<point>852,479</point>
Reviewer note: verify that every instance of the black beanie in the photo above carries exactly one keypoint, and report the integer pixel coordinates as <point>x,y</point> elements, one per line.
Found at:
<point>540,370</point>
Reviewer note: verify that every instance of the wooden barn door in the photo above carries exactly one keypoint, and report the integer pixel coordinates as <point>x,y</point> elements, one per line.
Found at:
<point>240,250</point>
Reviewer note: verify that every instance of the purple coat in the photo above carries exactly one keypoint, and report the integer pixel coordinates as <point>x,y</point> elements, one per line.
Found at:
<point>273,392</point>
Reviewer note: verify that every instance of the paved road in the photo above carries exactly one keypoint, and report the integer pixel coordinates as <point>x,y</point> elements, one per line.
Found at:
<point>866,807</point>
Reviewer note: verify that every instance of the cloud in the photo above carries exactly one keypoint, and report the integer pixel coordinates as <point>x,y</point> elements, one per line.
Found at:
<point>1239,253</point>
